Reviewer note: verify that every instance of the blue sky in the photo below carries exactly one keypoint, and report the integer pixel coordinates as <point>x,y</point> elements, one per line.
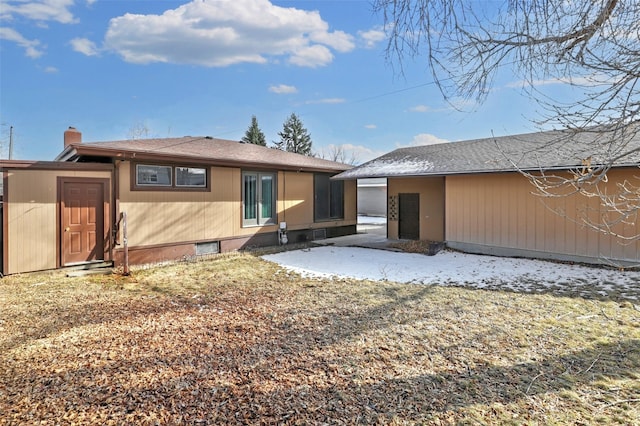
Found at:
<point>177,68</point>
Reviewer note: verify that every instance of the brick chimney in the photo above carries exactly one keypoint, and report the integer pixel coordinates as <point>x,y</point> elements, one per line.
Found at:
<point>71,136</point>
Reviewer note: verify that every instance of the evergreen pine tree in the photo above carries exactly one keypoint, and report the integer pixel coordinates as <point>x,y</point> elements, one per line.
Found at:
<point>253,134</point>
<point>279,145</point>
<point>294,137</point>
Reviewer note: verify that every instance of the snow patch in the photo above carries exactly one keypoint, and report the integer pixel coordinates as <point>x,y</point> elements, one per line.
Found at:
<point>459,269</point>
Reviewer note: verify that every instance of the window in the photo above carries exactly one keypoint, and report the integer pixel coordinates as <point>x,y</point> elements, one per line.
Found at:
<point>150,176</point>
<point>153,175</point>
<point>328,197</point>
<point>191,176</point>
<point>258,198</point>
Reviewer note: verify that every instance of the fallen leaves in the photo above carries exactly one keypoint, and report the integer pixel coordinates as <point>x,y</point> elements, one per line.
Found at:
<point>236,341</point>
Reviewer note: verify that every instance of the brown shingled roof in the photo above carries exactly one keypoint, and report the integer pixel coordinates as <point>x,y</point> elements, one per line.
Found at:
<point>200,150</point>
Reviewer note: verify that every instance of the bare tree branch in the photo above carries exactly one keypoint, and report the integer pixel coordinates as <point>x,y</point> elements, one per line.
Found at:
<point>592,47</point>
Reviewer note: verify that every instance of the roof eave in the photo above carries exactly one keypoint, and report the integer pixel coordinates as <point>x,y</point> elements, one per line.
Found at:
<point>53,165</point>
<point>469,172</point>
<point>67,154</point>
<point>79,150</point>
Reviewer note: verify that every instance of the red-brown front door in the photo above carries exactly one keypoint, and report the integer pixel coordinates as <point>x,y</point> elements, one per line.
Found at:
<point>82,222</point>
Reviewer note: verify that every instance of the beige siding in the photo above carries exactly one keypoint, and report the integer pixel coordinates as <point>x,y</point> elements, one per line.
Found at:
<point>165,217</point>
<point>31,212</point>
<point>350,202</point>
<point>431,190</point>
<point>501,210</point>
<point>295,199</point>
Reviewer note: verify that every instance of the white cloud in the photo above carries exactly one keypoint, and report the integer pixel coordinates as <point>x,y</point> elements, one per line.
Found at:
<point>225,32</point>
<point>84,46</point>
<point>327,101</point>
<point>578,81</point>
<point>423,139</point>
<point>362,153</point>
<point>372,37</point>
<point>338,40</point>
<point>51,70</point>
<point>283,89</point>
<point>370,126</point>
<point>312,56</point>
<point>41,11</point>
<point>356,154</point>
<point>38,10</point>
<point>31,47</point>
<point>427,108</point>
<point>420,108</point>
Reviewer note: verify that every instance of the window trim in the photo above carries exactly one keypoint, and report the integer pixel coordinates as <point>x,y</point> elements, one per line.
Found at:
<point>259,219</point>
<point>135,186</point>
<point>330,182</point>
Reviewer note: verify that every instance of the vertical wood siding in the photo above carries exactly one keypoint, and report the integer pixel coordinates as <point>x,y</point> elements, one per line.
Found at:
<point>295,199</point>
<point>501,210</point>
<point>350,203</point>
<point>167,217</point>
<point>431,190</point>
<point>31,210</point>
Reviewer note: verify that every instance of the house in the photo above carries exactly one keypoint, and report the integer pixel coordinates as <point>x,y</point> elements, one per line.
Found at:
<point>180,197</point>
<point>474,196</point>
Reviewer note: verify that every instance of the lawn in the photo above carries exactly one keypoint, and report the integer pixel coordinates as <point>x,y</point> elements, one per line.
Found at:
<point>238,340</point>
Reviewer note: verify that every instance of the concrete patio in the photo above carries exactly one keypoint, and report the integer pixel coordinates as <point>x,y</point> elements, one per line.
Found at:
<point>371,234</point>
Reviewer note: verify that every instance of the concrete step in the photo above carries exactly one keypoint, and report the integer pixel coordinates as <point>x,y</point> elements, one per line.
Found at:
<point>89,265</point>
<point>85,272</point>
<point>90,268</point>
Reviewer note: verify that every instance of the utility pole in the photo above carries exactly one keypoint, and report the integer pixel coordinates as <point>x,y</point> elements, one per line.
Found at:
<point>10,142</point>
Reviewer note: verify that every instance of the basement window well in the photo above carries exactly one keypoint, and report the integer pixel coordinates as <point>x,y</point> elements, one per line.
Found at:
<point>211,247</point>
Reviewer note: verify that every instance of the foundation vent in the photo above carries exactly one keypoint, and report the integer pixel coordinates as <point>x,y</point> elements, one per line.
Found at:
<point>319,234</point>
<point>211,247</point>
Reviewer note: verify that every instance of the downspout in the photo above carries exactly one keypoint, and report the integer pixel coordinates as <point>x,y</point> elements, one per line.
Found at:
<point>282,226</point>
<point>444,210</point>
<point>125,244</point>
<point>115,207</point>
<point>4,175</point>
<point>122,220</point>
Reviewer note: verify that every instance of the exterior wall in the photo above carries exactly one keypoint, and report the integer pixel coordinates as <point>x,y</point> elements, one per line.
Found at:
<point>499,214</point>
<point>295,200</point>
<point>175,219</point>
<point>31,217</point>
<point>350,203</point>
<point>432,205</point>
<point>164,217</point>
<point>161,225</point>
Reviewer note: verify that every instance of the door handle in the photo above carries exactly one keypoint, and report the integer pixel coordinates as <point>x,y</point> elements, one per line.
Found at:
<point>67,229</point>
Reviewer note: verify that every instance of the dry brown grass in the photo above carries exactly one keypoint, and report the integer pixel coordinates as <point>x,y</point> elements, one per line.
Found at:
<point>237,340</point>
<point>412,246</point>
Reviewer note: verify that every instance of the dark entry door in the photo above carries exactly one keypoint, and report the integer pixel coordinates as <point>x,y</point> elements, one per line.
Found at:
<point>409,217</point>
<point>82,222</point>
